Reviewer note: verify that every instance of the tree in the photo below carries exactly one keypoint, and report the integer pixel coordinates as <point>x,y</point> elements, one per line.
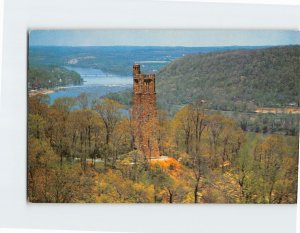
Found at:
<point>36,126</point>
<point>83,100</point>
<point>183,128</point>
<point>113,188</point>
<point>41,159</point>
<point>109,112</point>
<point>64,104</point>
<point>269,157</point>
<point>38,105</point>
<point>121,139</point>
<point>83,131</point>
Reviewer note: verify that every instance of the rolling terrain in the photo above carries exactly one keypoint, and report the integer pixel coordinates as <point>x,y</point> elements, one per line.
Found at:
<point>233,80</point>
<point>117,60</point>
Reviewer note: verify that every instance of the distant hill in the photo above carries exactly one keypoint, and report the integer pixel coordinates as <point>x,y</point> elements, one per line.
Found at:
<point>51,77</point>
<point>233,80</point>
<point>116,59</point>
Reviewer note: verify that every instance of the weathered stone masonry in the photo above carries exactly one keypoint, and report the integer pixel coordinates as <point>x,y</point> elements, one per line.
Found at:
<point>144,113</point>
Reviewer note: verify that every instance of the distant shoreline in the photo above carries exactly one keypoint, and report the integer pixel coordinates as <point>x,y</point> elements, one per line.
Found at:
<point>43,91</point>
<point>291,110</point>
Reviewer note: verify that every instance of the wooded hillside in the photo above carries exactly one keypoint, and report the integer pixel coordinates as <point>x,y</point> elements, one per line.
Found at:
<point>233,80</point>
<point>87,155</point>
<point>51,76</point>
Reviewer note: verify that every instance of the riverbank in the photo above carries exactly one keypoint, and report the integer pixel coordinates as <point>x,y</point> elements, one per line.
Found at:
<point>41,92</point>
<point>287,110</point>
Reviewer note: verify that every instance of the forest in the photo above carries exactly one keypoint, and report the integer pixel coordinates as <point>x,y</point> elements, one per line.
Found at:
<point>116,59</point>
<point>238,81</point>
<point>82,151</point>
<point>233,80</point>
<point>51,77</point>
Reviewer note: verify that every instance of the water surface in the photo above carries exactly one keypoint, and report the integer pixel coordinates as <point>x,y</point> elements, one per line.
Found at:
<point>96,84</point>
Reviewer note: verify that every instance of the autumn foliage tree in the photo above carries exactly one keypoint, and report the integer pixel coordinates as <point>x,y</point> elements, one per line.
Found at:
<point>81,150</point>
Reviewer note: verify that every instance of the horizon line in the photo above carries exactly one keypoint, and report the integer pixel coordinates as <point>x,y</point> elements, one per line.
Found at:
<point>175,46</point>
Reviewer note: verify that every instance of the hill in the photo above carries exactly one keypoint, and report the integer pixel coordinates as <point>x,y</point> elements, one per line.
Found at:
<point>233,80</point>
<point>51,77</point>
<point>116,59</point>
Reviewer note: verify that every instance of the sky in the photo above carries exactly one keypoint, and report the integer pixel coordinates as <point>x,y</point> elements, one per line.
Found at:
<point>189,38</point>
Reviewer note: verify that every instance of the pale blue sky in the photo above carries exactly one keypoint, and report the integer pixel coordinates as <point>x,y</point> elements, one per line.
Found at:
<point>162,37</point>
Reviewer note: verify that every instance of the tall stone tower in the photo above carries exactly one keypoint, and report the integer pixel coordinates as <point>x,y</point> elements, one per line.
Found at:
<point>144,113</point>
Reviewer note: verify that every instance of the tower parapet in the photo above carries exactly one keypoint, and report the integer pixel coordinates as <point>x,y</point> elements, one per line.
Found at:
<point>136,69</point>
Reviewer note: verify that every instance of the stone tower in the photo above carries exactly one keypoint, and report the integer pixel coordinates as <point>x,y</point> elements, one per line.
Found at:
<point>144,113</point>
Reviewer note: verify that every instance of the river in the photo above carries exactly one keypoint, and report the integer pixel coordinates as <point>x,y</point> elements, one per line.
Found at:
<point>96,83</point>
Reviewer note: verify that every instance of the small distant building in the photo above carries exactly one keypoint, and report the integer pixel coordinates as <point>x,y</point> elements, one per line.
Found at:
<point>144,113</point>
<point>293,104</point>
